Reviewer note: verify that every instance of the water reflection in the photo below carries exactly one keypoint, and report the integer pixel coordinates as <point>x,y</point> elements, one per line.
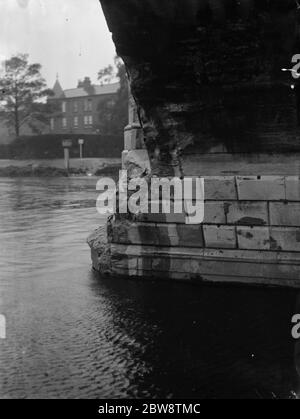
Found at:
<point>209,342</point>
<point>74,334</point>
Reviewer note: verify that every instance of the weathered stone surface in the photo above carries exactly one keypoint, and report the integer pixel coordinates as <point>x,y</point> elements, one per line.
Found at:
<point>275,256</point>
<point>122,263</point>
<point>100,250</point>
<point>220,188</point>
<point>190,235</point>
<point>222,237</point>
<point>214,212</point>
<point>163,218</point>
<point>261,267</point>
<point>264,188</point>
<point>247,213</point>
<point>162,234</point>
<point>285,238</point>
<point>133,137</point>
<point>257,238</point>
<point>136,162</point>
<point>292,185</point>
<point>285,213</point>
<point>204,277</point>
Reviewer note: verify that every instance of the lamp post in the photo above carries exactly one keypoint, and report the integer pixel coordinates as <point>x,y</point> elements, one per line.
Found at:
<point>67,144</point>
<point>81,143</point>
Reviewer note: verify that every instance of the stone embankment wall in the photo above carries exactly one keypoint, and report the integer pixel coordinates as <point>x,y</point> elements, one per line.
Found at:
<point>251,233</point>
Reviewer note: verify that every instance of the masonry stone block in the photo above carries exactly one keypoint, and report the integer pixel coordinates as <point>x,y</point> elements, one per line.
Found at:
<point>292,187</point>
<point>163,218</point>
<point>161,264</point>
<point>125,262</point>
<point>253,238</point>
<point>285,213</point>
<point>143,233</point>
<point>285,238</point>
<point>220,188</point>
<point>145,263</point>
<point>264,188</point>
<point>133,137</point>
<point>171,235</point>
<point>220,236</point>
<point>134,233</point>
<point>247,213</point>
<point>190,235</point>
<point>167,234</point>
<point>214,212</point>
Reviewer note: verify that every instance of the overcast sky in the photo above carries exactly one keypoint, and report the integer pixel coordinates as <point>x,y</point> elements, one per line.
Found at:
<point>68,37</point>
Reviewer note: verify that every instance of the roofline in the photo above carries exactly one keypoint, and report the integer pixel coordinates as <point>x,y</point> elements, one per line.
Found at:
<point>93,85</point>
<point>80,97</point>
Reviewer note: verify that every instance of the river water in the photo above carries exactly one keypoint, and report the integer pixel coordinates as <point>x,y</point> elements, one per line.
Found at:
<point>73,334</point>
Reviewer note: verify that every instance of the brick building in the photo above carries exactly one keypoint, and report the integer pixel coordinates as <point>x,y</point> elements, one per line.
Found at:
<point>78,107</point>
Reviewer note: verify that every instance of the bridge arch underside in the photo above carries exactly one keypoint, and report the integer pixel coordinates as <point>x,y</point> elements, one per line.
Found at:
<point>207,75</point>
<point>212,101</point>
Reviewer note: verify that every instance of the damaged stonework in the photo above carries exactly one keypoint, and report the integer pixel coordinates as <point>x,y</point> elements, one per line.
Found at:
<point>136,162</point>
<point>100,250</point>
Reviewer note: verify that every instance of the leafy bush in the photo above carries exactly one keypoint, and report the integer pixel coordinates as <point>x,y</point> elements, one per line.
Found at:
<point>50,146</point>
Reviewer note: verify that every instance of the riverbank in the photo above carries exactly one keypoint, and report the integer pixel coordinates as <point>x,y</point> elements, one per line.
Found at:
<point>55,168</point>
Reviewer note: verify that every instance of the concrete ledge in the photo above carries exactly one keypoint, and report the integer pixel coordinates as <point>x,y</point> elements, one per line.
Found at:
<point>271,268</point>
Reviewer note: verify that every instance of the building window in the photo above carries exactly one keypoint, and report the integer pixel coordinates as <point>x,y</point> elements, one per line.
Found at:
<point>52,124</point>
<point>64,122</point>
<point>88,120</point>
<point>75,121</point>
<point>64,107</point>
<point>88,105</point>
<point>111,103</point>
<point>75,106</point>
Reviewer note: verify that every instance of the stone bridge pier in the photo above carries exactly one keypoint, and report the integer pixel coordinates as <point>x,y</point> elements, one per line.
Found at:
<point>209,99</point>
